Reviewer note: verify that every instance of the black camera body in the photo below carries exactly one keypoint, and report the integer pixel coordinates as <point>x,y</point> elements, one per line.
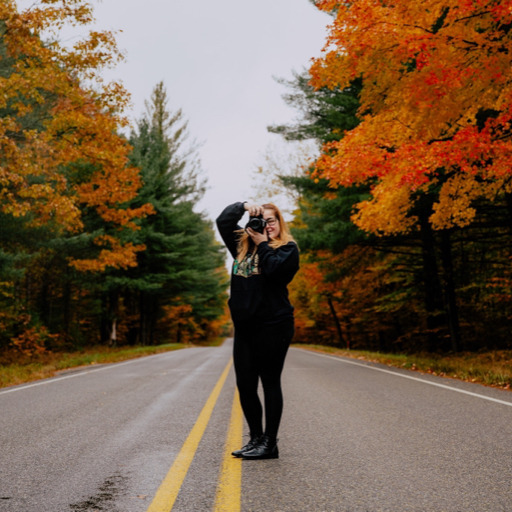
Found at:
<point>256,223</point>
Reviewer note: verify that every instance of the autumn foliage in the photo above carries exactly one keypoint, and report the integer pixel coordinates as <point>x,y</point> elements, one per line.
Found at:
<point>405,217</point>
<point>85,237</point>
<point>51,124</point>
<point>436,106</point>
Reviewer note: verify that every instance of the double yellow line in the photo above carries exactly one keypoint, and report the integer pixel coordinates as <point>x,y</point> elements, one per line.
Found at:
<point>227,498</point>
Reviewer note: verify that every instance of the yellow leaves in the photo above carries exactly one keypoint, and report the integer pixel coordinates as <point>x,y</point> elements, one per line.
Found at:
<point>330,71</point>
<point>387,212</point>
<point>82,61</point>
<point>115,255</point>
<point>53,123</point>
<point>454,205</point>
<point>429,70</point>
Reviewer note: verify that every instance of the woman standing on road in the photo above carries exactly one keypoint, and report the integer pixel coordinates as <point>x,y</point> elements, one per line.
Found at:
<point>266,259</point>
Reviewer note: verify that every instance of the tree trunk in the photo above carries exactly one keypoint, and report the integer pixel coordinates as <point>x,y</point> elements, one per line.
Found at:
<point>44,302</point>
<point>113,333</point>
<point>508,202</point>
<point>433,295</point>
<point>114,306</point>
<point>142,319</point>
<point>130,302</point>
<point>109,314</point>
<point>450,293</point>
<point>104,320</point>
<point>66,309</point>
<point>147,318</point>
<point>337,323</point>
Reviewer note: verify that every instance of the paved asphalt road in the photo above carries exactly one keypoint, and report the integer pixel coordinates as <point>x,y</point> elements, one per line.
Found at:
<point>355,437</point>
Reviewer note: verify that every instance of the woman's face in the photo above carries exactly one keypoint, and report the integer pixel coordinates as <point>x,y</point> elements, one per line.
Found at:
<point>273,228</point>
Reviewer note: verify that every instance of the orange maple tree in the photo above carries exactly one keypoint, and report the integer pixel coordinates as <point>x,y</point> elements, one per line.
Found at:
<point>436,106</point>
<point>57,114</point>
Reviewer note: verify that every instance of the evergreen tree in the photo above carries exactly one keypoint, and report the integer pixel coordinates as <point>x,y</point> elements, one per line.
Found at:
<point>325,114</point>
<point>181,262</point>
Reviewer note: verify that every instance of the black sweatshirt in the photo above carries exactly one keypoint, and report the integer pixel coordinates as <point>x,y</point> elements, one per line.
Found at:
<point>259,282</point>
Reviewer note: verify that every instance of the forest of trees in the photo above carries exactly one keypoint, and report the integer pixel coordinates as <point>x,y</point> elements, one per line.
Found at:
<point>405,218</point>
<point>99,240</point>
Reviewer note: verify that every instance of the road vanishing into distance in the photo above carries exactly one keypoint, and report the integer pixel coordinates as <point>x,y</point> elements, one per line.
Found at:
<point>154,435</point>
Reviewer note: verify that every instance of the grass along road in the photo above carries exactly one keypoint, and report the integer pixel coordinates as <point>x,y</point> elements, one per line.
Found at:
<point>19,369</point>
<point>492,368</point>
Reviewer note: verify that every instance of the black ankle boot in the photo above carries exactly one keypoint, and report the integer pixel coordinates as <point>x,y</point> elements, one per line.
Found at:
<point>265,449</point>
<point>253,442</point>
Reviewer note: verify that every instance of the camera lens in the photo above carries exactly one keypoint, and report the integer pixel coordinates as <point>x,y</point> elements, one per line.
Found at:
<point>257,224</point>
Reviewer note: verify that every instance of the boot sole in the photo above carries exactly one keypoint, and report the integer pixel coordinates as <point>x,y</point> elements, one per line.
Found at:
<point>262,457</point>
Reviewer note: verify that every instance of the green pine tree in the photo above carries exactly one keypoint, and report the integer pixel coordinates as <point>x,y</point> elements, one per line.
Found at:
<point>181,263</point>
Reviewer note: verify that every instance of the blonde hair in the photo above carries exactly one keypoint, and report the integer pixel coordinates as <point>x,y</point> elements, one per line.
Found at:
<point>245,244</point>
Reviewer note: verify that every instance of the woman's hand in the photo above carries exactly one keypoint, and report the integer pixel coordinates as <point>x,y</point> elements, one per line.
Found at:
<point>256,237</point>
<point>253,209</point>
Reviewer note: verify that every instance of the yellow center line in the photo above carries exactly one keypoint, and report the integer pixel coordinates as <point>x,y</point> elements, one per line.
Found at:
<point>230,479</point>
<point>170,487</point>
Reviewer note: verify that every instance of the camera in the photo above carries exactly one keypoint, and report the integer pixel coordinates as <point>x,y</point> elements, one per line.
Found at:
<point>256,223</point>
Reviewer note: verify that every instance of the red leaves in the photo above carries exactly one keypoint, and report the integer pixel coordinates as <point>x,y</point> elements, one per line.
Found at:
<point>429,70</point>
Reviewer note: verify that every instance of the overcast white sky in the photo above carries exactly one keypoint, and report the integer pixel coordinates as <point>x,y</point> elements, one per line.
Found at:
<point>217,59</point>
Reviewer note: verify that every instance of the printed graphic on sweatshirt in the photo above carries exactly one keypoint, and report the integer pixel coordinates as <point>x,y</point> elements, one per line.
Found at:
<point>249,266</point>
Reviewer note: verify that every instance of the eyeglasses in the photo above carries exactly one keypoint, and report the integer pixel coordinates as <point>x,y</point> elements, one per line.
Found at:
<point>271,221</point>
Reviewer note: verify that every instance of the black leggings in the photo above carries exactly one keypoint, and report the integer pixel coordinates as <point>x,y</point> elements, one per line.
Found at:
<point>259,352</point>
